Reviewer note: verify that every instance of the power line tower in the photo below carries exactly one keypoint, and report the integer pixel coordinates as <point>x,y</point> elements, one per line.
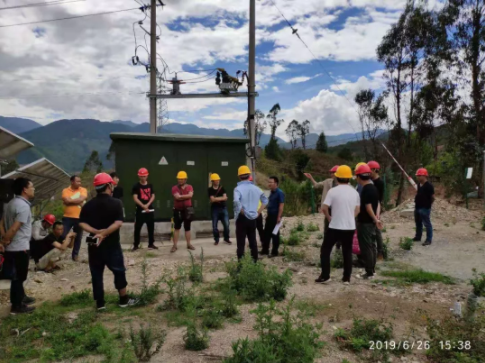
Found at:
<point>162,104</point>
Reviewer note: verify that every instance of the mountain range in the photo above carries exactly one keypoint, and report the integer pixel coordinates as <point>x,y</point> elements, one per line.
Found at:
<point>68,143</point>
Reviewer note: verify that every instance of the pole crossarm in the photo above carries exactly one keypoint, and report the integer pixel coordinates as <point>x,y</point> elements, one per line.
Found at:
<point>203,95</point>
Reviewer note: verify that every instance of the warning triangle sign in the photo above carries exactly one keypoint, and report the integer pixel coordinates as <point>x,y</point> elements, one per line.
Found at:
<point>163,161</point>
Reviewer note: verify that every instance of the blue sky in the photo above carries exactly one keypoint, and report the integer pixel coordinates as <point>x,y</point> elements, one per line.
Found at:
<point>81,68</point>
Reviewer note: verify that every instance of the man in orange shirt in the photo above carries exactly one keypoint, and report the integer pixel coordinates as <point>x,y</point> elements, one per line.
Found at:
<point>73,198</point>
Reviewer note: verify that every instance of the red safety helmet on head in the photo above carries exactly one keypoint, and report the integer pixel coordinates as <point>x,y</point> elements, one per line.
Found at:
<point>250,178</point>
<point>50,218</point>
<point>103,179</point>
<point>334,169</point>
<point>143,172</point>
<point>363,169</point>
<point>422,172</point>
<point>374,165</point>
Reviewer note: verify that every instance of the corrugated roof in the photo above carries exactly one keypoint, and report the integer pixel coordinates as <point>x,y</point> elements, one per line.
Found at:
<point>176,137</point>
<point>11,144</point>
<point>47,177</point>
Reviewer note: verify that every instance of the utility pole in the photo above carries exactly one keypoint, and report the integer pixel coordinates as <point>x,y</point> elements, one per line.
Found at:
<point>252,84</point>
<point>153,68</point>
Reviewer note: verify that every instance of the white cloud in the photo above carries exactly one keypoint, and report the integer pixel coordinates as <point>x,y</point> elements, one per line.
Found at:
<point>297,80</point>
<point>276,89</point>
<point>228,115</point>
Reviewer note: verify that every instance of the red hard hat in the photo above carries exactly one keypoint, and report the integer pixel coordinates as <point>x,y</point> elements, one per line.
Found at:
<point>50,218</point>
<point>422,172</point>
<point>334,169</point>
<point>102,179</point>
<point>143,172</point>
<point>250,178</point>
<point>374,165</point>
<point>363,169</point>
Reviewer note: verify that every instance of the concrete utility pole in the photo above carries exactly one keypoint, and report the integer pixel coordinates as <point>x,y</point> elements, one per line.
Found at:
<point>153,68</point>
<point>252,83</point>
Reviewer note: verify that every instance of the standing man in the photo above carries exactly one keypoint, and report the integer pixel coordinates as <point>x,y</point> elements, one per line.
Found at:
<point>218,198</point>
<point>327,184</point>
<point>102,218</point>
<point>259,220</point>
<point>345,204</point>
<point>183,212</point>
<point>276,205</point>
<point>143,196</point>
<point>375,168</point>
<point>16,232</point>
<point>118,192</point>
<point>367,221</point>
<point>40,230</point>
<point>423,201</point>
<point>73,198</point>
<point>246,199</point>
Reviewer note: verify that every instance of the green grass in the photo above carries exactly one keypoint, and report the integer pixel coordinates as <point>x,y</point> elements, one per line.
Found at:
<point>406,243</point>
<point>293,255</point>
<point>418,277</point>
<point>310,307</point>
<point>150,255</point>
<point>312,227</point>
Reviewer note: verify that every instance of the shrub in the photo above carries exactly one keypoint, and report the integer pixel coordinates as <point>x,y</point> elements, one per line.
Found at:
<point>148,293</point>
<point>213,318</point>
<point>293,255</point>
<point>312,227</point>
<point>300,227</point>
<point>178,296</point>
<point>385,249</point>
<point>362,333</point>
<point>81,298</point>
<point>297,197</point>
<point>478,283</point>
<point>146,343</point>
<point>255,282</point>
<point>196,271</point>
<point>229,303</point>
<point>406,244</point>
<point>196,339</point>
<point>294,239</point>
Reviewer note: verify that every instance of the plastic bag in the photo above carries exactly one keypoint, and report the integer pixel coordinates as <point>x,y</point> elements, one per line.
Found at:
<point>355,245</point>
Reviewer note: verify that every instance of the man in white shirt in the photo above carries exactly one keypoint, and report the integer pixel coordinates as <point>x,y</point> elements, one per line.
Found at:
<point>345,204</point>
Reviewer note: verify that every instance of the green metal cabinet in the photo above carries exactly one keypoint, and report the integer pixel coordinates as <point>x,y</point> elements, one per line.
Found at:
<point>198,156</point>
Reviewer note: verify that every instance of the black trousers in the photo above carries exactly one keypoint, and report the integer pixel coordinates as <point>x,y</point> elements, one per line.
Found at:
<point>141,219</point>
<point>260,228</point>
<point>332,236</point>
<point>112,258</point>
<point>16,268</point>
<point>271,221</point>
<point>246,228</point>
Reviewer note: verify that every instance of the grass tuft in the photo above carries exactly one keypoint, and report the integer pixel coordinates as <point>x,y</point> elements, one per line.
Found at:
<point>419,277</point>
<point>406,243</point>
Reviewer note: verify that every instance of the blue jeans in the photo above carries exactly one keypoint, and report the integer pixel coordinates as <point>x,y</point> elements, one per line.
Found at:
<point>220,214</point>
<point>73,223</point>
<point>423,216</point>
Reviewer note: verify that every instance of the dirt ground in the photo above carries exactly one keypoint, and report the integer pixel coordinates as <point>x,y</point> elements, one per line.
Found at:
<point>458,247</point>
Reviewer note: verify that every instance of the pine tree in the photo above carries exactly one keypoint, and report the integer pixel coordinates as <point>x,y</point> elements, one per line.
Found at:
<point>322,145</point>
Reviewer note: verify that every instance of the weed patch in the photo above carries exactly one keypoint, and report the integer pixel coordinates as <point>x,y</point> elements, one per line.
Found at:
<point>406,243</point>
<point>148,293</point>
<point>320,236</point>
<point>385,249</point>
<point>312,227</point>
<point>419,277</point>
<point>291,254</point>
<point>310,307</point>
<point>478,283</point>
<point>213,318</point>
<point>196,270</point>
<point>294,239</point>
<point>337,260</point>
<point>300,227</point>
<point>196,339</point>
<point>146,343</point>
<point>77,299</point>
<point>178,296</point>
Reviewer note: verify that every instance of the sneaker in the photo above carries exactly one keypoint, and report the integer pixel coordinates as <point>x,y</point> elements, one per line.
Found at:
<point>100,305</point>
<point>368,277</point>
<point>346,282</point>
<point>321,280</point>
<point>152,247</point>
<point>228,242</point>
<point>135,248</point>
<point>75,258</point>
<point>28,300</point>
<point>427,243</point>
<point>23,309</point>
<point>126,301</point>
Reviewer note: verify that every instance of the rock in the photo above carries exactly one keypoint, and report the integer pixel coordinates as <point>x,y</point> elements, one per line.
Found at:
<point>64,280</point>
<point>131,262</point>
<point>38,280</point>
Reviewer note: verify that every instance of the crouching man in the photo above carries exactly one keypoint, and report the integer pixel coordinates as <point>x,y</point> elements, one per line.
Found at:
<point>52,247</point>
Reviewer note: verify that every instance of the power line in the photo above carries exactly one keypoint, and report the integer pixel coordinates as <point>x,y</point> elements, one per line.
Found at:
<point>55,2</point>
<point>68,18</point>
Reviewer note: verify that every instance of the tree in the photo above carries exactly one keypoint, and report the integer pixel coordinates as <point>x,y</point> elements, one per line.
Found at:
<point>274,122</point>
<point>322,145</point>
<point>345,154</point>
<point>292,131</point>
<point>303,130</point>
<point>260,125</point>
<point>273,150</point>
<point>12,165</point>
<point>93,163</point>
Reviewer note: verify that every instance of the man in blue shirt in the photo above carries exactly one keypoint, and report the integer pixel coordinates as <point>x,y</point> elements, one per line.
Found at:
<point>246,199</point>
<point>275,213</point>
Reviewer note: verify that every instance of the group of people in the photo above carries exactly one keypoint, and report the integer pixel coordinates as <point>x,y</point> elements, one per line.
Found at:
<point>348,210</point>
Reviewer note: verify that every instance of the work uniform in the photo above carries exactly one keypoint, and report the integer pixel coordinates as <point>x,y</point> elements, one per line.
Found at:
<point>182,209</point>
<point>70,220</point>
<point>144,194</point>
<point>380,189</point>
<point>219,213</point>
<point>260,224</point>
<point>246,199</point>
<point>100,213</point>
<point>276,198</point>
<point>16,264</point>
<point>343,200</point>
<point>422,211</point>
<point>366,228</point>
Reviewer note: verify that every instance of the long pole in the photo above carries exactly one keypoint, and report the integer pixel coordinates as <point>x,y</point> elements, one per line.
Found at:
<point>483,175</point>
<point>153,68</point>
<point>252,83</point>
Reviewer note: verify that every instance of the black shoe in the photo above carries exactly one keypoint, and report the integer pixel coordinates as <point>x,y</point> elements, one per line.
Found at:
<point>216,243</point>
<point>368,277</point>
<point>273,255</point>
<point>23,309</point>
<point>262,253</point>
<point>100,305</point>
<point>416,239</point>
<point>135,248</point>
<point>427,243</point>
<point>152,247</point>
<point>28,300</point>
<point>126,301</point>
<point>321,280</point>
<point>228,241</point>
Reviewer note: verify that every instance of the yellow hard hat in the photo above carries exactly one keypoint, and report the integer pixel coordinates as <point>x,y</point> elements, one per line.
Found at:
<point>215,177</point>
<point>343,172</point>
<point>182,175</point>
<point>243,170</point>
<point>359,164</point>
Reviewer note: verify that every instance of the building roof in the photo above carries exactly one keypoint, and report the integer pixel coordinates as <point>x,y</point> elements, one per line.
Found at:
<point>176,137</point>
<point>47,177</point>
<point>11,144</point>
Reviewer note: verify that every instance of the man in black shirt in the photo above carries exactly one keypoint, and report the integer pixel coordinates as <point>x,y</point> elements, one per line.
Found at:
<point>144,195</point>
<point>218,198</point>
<point>379,184</point>
<point>102,218</point>
<point>367,221</point>
<point>118,192</point>
<point>51,248</point>
<point>422,212</point>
